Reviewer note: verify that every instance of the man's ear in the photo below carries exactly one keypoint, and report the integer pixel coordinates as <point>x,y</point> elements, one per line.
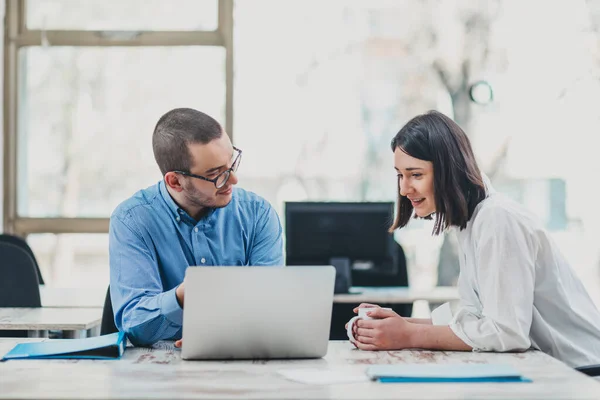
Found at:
<point>173,181</point>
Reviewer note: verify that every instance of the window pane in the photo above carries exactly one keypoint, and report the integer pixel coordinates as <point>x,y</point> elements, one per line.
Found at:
<point>86,117</point>
<point>149,15</point>
<point>72,260</point>
<point>338,92</point>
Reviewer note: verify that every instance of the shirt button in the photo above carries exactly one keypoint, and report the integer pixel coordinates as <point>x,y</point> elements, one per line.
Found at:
<point>203,260</point>
<point>196,229</point>
<point>178,219</point>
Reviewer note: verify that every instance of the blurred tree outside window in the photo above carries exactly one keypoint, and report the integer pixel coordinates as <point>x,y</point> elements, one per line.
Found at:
<point>337,81</point>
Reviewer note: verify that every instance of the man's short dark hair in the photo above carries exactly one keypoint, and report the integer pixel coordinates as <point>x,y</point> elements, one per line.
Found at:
<point>177,129</point>
<point>457,181</point>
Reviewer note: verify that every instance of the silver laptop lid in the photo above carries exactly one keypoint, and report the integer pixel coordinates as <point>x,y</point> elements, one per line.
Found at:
<point>257,312</point>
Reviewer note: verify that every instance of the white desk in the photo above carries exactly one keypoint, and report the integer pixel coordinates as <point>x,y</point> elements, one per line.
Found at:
<point>94,297</point>
<point>75,322</point>
<point>72,297</point>
<point>397,295</point>
<point>160,373</point>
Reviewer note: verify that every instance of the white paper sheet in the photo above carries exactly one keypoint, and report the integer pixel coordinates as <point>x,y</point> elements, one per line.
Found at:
<point>322,376</point>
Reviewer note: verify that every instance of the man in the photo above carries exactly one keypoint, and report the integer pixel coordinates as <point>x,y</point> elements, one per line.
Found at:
<point>193,217</point>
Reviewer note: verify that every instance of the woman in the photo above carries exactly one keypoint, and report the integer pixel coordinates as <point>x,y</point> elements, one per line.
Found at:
<point>516,290</point>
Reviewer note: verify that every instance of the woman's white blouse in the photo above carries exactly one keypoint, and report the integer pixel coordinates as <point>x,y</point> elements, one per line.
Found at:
<point>517,291</point>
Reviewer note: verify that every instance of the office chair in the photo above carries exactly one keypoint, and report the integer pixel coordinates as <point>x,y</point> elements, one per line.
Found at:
<point>22,244</point>
<point>108,318</point>
<point>590,370</point>
<point>19,285</point>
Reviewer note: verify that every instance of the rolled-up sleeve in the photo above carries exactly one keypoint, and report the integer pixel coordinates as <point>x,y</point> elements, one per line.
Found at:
<point>142,310</point>
<point>505,265</point>
<point>267,248</point>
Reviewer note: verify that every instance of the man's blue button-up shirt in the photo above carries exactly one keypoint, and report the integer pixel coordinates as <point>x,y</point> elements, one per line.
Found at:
<point>152,241</point>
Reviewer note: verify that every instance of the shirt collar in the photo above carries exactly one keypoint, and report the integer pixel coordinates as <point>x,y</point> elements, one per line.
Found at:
<point>175,210</point>
<point>489,189</point>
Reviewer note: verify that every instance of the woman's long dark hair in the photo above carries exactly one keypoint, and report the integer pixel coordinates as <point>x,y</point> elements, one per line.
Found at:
<point>458,184</point>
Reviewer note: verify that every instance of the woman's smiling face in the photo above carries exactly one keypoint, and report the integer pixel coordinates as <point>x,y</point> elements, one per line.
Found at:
<point>415,182</point>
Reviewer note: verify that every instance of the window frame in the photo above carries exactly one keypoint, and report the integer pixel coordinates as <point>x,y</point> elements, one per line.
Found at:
<point>17,36</point>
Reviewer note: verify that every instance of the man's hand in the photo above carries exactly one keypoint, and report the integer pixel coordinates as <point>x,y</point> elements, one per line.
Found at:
<point>179,295</point>
<point>386,331</point>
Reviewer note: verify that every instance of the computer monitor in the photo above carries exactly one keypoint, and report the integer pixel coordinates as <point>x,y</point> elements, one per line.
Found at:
<point>319,233</point>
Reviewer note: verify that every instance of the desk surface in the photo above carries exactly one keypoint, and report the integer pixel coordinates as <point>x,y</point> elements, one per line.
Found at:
<point>46,318</point>
<point>160,373</point>
<point>398,295</point>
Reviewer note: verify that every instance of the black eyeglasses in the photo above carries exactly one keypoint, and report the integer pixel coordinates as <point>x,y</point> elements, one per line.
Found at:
<point>221,179</point>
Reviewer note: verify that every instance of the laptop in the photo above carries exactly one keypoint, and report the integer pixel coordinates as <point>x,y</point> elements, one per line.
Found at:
<point>257,312</point>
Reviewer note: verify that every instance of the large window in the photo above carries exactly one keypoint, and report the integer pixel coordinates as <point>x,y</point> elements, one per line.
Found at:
<point>86,118</point>
<point>85,84</point>
<point>71,260</point>
<point>118,15</point>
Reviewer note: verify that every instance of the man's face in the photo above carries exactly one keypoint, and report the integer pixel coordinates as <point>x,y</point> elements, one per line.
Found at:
<point>209,160</point>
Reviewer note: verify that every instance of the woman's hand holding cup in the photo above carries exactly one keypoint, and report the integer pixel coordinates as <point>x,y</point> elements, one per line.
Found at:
<point>363,311</point>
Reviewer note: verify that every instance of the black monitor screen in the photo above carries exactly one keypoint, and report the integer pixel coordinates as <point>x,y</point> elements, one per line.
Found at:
<point>316,232</point>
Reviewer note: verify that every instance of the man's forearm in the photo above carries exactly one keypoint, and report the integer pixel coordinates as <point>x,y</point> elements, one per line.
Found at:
<point>148,319</point>
<point>179,293</point>
<point>436,337</point>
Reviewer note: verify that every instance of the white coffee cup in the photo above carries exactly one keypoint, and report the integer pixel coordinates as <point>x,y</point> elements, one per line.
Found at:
<point>362,314</point>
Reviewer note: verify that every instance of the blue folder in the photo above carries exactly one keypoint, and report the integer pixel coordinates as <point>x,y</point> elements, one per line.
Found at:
<point>98,347</point>
<point>426,373</point>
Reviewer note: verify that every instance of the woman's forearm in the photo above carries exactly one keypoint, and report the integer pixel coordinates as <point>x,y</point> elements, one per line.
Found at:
<point>436,337</point>
<point>422,321</point>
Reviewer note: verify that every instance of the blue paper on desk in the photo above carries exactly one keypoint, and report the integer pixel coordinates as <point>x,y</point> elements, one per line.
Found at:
<point>98,347</point>
<point>425,373</point>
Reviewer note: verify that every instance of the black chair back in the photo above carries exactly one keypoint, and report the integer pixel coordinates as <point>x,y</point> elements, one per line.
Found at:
<point>22,244</point>
<point>108,318</point>
<point>19,285</point>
